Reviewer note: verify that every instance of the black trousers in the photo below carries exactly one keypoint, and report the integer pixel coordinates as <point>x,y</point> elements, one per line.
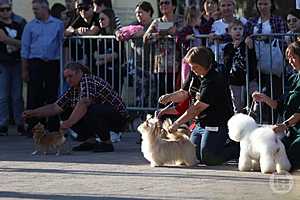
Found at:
<point>43,89</point>
<point>99,120</point>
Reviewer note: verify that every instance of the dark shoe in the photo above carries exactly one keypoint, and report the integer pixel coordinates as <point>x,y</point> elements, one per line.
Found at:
<point>103,147</point>
<point>3,130</point>
<point>86,146</point>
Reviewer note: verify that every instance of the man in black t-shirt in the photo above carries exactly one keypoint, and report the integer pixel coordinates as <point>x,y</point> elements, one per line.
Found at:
<point>213,107</point>
<point>10,69</point>
<point>87,23</point>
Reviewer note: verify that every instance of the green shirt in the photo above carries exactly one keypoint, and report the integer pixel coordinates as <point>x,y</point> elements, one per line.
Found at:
<point>290,103</point>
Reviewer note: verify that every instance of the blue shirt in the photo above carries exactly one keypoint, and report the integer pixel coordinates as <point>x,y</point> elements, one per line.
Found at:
<point>42,39</point>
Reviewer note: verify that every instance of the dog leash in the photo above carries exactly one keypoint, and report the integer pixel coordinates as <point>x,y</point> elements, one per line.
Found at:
<point>250,110</point>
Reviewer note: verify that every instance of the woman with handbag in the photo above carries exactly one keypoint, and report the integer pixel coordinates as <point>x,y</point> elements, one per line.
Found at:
<point>267,23</point>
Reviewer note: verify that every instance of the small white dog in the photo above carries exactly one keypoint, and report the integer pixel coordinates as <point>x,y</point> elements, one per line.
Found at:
<point>159,150</point>
<point>261,148</point>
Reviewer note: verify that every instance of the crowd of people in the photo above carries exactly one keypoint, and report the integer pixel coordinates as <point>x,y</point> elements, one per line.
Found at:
<point>212,79</point>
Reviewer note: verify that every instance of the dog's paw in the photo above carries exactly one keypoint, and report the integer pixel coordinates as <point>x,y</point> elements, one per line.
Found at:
<point>153,164</point>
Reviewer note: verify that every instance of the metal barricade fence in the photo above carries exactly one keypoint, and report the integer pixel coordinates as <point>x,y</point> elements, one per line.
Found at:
<point>142,72</point>
<point>139,72</point>
<point>273,71</point>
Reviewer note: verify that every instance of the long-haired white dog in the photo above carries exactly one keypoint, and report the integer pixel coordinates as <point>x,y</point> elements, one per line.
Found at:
<point>260,146</point>
<point>160,147</point>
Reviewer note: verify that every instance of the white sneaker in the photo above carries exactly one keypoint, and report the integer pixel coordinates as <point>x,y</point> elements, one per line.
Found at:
<point>114,137</point>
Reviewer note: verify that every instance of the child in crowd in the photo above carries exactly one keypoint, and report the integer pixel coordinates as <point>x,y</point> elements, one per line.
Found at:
<point>236,65</point>
<point>189,37</point>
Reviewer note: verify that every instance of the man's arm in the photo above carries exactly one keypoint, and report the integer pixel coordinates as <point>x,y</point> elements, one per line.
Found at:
<point>78,112</point>
<point>176,97</point>
<point>8,40</point>
<point>191,112</point>
<point>44,111</point>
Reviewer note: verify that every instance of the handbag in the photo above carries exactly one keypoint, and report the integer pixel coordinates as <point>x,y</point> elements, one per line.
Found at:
<point>264,54</point>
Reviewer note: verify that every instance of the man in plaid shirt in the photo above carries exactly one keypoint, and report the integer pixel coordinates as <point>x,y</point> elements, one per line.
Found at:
<point>92,107</point>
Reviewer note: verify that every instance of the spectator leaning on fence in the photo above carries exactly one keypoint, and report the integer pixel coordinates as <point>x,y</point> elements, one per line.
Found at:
<point>209,13</point>
<point>90,107</point>
<point>100,5</point>
<point>107,54</point>
<point>293,24</point>
<point>235,65</point>
<point>213,107</point>
<point>219,28</point>
<point>139,66</point>
<point>40,52</point>
<point>188,37</point>
<point>267,23</point>
<point>10,69</point>
<point>288,105</point>
<point>164,56</point>
<point>87,22</point>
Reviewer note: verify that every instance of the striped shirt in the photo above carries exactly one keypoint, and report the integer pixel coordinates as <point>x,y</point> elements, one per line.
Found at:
<point>95,89</point>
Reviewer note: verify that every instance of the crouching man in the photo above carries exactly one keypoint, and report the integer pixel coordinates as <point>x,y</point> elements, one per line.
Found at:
<point>90,107</point>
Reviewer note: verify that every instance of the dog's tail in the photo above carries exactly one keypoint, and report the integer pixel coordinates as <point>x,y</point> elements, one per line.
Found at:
<point>239,125</point>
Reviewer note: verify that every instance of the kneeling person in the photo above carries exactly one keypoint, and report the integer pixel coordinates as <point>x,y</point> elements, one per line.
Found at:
<point>91,107</point>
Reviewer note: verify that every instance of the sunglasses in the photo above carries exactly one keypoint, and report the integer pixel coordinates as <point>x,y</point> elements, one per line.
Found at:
<point>164,2</point>
<point>85,8</point>
<point>7,9</point>
<point>291,20</point>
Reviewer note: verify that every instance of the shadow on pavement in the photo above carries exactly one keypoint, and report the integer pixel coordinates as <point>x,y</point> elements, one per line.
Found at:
<point>22,195</point>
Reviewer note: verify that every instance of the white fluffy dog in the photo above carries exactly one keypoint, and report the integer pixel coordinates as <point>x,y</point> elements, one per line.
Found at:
<point>159,150</point>
<point>260,146</point>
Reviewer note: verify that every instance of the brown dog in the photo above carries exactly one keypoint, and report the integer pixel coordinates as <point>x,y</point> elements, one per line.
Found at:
<point>44,142</point>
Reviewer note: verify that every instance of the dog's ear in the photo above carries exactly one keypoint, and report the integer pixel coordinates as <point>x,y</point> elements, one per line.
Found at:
<point>148,117</point>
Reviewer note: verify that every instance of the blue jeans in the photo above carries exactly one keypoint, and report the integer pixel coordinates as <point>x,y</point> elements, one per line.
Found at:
<point>11,93</point>
<point>214,148</point>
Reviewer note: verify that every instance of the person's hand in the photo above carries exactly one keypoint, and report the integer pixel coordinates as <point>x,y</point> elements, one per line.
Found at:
<point>69,31</point>
<point>172,30</point>
<point>3,36</point>
<point>258,97</point>
<point>65,125</point>
<point>189,37</point>
<point>236,43</point>
<point>119,36</point>
<point>279,128</point>
<point>82,30</point>
<point>28,114</point>
<point>249,42</point>
<point>164,99</point>
<point>212,37</point>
